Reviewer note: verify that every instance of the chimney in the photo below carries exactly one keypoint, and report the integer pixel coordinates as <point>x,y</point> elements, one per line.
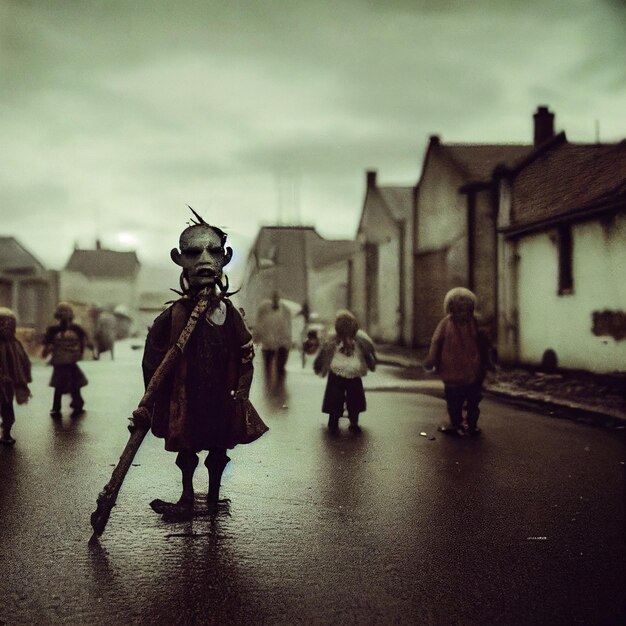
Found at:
<point>544,125</point>
<point>434,140</point>
<point>98,244</point>
<point>370,178</point>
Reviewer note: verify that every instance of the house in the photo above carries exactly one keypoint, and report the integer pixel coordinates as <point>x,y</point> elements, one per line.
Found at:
<point>104,278</point>
<point>562,258</point>
<point>26,286</point>
<point>455,241</point>
<point>380,271</point>
<point>302,266</point>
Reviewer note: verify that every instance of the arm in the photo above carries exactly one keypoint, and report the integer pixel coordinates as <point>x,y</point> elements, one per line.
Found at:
<point>246,355</point>
<point>157,345</point>
<point>324,357</point>
<point>434,352</point>
<point>368,349</point>
<point>48,342</point>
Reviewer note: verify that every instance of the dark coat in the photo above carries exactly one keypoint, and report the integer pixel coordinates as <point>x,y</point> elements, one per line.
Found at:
<point>194,409</point>
<point>15,370</point>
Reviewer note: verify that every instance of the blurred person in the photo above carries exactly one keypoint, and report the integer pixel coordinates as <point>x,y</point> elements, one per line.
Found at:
<point>66,343</point>
<point>345,356</point>
<point>273,332</point>
<point>460,353</point>
<point>15,373</point>
<point>310,344</point>
<point>204,404</point>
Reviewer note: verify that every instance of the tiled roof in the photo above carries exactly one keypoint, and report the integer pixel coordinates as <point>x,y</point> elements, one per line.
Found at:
<point>14,257</point>
<point>479,160</point>
<point>566,178</point>
<point>104,263</point>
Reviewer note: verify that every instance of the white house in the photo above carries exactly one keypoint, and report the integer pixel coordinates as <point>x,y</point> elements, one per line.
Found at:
<point>302,266</point>
<point>106,279</point>
<point>380,276</point>
<point>562,251</point>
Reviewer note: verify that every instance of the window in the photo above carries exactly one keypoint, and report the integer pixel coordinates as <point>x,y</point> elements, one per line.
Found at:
<point>566,273</point>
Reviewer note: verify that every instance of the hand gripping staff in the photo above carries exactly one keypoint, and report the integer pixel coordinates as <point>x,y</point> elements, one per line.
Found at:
<point>140,421</point>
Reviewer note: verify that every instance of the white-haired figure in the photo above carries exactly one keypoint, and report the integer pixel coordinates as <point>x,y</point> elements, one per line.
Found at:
<point>459,353</point>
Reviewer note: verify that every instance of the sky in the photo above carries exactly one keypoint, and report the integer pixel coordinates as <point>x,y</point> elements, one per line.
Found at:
<point>115,115</point>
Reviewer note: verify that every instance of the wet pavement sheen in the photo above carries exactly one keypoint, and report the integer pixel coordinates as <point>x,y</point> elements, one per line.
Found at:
<point>522,526</point>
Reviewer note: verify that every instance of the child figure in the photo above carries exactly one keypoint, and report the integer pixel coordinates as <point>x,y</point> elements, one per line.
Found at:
<point>66,342</point>
<point>14,373</point>
<point>459,353</point>
<point>346,357</point>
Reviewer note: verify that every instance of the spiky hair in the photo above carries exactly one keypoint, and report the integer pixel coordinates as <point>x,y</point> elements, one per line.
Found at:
<point>200,221</point>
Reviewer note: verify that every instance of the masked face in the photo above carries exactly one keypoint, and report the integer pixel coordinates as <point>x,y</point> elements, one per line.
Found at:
<point>202,256</point>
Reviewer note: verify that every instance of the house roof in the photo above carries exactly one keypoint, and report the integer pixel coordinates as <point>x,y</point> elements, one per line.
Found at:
<point>399,201</point>
<point>101,263</point>
<point>477,161</point>
<point>291,240</point>
<point>396,202</point>
<point>567,179</point>
<point>14,258</point>
<point>323,252</point>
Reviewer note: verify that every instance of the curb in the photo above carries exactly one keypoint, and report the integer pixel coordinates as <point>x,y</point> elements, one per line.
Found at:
<point>549,405</point>
<point>562,409</point>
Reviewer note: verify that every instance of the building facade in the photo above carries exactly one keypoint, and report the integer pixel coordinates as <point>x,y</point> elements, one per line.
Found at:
<point>562,240</point>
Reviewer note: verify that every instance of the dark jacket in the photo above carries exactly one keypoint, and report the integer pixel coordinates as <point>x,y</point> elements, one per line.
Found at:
<point>195,408</point>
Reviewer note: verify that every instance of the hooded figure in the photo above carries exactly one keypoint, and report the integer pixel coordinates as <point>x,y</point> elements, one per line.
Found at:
<point>459,353</point>
<point>204,405</point>
<point>14,373</point>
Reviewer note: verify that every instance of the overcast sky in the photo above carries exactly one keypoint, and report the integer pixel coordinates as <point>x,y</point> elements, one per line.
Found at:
<point>116,114</point>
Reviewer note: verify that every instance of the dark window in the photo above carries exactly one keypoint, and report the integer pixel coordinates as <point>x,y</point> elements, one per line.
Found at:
<point>566,274</point>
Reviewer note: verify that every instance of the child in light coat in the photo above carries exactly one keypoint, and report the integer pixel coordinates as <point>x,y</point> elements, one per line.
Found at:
<point>346,356</point>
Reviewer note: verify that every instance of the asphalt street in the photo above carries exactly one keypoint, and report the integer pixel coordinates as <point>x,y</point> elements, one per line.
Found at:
<point>524,525</point>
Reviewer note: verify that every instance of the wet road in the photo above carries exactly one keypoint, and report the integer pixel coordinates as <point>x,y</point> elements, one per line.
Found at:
<point>522,526</point>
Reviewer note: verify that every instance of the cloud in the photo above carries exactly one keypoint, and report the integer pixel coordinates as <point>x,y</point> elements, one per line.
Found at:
<point>114,116</point>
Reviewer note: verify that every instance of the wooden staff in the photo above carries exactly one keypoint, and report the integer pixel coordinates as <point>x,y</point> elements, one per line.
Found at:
<point>141,421</point>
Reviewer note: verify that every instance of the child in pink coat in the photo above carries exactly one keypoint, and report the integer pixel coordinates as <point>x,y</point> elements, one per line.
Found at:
<point>459,353</point>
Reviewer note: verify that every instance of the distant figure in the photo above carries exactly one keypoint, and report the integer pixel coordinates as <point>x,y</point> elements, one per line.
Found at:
<point>66,342</point>
<point>104,337</point>
<point>273,332</point>
<point>346,356</point>
<point>14,373</point>
<point>310,345</point>
<point>460,354</point>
